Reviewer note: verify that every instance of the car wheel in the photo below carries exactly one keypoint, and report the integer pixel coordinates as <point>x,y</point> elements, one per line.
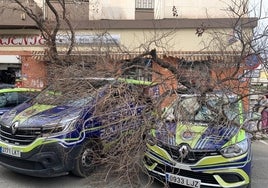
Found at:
<point>87,158</point>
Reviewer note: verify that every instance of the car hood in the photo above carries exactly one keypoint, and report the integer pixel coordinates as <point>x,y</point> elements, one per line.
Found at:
<point>37,115</point>
<point>199,136</point>
<point>4,110</point>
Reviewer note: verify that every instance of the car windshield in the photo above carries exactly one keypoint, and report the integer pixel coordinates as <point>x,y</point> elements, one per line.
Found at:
<point>71,93</point>
<point>13,98</point>
<point>207,109</point>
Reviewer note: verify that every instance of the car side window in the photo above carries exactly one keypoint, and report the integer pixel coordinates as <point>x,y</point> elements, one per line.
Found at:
<point>23,96</point>
<point>12,99</point>
<point>3,100</point>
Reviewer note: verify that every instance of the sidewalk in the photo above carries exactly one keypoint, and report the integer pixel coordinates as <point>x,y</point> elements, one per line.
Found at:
<point>258,135</point>
<point>261,136</point>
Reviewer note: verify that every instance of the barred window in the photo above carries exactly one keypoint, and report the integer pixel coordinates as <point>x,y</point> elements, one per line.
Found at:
<point>140,71</point>
<point>144,4</point>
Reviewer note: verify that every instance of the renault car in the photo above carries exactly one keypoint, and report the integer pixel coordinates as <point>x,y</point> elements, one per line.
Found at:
<point>201,143</point>
<point>68,124</point>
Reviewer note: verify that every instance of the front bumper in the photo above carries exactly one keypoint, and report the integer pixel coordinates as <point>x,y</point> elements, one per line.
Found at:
<point>232,173</point>
<point>48,160</point>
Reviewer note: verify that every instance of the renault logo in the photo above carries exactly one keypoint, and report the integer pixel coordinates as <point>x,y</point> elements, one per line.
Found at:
<point>14,127</point>
<point>183,151</point>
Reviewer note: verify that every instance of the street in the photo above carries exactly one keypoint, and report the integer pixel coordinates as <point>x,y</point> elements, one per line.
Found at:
<point>9,179</point>
<point>260,164</point>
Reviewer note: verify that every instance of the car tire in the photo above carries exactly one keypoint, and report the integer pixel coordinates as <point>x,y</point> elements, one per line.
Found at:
<point>259,126</point>
<point>87,158</point>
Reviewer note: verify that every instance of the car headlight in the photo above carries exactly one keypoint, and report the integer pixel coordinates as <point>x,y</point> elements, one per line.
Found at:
<point>235,150</point>
<point>66,124</point>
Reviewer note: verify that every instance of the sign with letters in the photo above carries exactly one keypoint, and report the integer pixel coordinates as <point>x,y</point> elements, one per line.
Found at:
<point>21,40</point>
<point>61,39</point>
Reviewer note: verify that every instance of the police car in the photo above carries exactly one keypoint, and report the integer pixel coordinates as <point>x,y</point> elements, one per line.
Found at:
<point>201,143</point>
<point>68,124</point>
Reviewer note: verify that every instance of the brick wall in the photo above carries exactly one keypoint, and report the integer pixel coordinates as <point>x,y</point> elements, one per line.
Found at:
<point>33,72</point>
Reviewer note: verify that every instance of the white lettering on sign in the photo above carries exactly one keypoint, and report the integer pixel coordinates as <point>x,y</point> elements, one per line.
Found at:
<point>61,39</point>
<point>21,40</point>
<point>89,39</point>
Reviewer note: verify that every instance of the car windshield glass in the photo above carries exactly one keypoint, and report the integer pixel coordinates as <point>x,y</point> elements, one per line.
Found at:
<point>3,100</point>
<point>73,93</point>
<point>13,98</point>
<point>209,109</point>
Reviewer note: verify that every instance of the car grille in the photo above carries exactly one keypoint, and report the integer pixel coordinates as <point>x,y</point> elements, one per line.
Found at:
<point>24,135</point>
<point>192,157</point>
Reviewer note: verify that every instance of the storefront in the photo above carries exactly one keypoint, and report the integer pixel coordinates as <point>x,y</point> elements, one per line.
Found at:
<point>10,68</point>
<point>17,65</point>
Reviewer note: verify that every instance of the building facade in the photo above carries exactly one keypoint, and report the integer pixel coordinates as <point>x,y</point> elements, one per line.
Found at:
<point>183,29</point>
<point>19,36</point>
<point>146,9</point>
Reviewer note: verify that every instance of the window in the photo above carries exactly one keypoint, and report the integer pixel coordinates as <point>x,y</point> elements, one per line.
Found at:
<point>12,99</point>
<point>139,70</point>
<point>144,4</point>
<point>9,99</point>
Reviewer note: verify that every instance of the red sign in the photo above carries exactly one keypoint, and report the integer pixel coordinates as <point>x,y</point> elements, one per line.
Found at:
<point>21,40</point>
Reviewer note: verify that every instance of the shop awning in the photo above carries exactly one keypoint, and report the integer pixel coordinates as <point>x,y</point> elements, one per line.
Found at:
<point>186,55</point>
<point>10,59</point>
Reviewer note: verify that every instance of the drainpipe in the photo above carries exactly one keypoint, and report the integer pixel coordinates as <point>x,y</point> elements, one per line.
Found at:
<point>44,9</point>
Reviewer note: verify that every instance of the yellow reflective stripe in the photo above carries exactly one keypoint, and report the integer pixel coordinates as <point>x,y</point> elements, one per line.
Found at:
<point>42,141</point>
<point>152,167</point>
<point>139,82</point>
<point>8,90</point>
<point>157,161</point>
<point>153,132</point>
<point>159,151</point>
<point>219,160</point>
<point>233,170</point>
<point>36,143</point>
<point>241,135</point>
<point>240,108</point>
<point>35,109</point>
<point>197,130</point>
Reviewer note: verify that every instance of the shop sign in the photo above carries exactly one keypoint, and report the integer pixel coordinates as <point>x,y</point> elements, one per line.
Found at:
<point>61,39</point>
<point>22,40</point>
<point>105,39</point>
<point>252,73</point>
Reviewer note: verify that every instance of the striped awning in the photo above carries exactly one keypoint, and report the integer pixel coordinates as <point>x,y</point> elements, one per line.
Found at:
<point>186,55</point>
<point>39,55</point>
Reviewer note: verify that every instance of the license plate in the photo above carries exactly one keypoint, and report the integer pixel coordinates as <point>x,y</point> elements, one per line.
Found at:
<point>181,180</point>
<point>10,151</point>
